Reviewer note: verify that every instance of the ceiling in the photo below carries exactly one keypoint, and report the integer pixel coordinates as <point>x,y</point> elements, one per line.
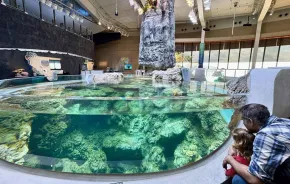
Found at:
<point>219,9</point>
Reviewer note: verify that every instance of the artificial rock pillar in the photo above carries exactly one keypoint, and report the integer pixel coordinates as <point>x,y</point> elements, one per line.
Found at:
<point>157,36</point>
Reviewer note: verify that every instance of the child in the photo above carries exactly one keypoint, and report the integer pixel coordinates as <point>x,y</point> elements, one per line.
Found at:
<point>242,148</point>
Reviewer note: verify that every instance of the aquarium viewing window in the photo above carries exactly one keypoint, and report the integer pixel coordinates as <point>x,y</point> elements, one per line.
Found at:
<point>135,126</point>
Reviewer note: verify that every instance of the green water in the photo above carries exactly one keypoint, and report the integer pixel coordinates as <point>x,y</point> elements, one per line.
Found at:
<point>133,127</point>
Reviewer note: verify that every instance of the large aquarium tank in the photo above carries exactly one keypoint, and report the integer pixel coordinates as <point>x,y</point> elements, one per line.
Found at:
<point>135,126</point>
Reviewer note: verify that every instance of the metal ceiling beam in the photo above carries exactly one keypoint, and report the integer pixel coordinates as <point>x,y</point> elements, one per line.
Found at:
<point>265,9</point>
<point>201,13</point>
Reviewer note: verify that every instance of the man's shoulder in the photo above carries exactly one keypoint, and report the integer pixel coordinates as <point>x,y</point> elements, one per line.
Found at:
<point>276,126</point>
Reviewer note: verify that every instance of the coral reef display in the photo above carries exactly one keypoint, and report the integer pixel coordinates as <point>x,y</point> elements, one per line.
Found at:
<point>127,128</point>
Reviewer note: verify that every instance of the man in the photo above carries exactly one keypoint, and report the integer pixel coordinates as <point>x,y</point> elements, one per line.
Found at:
<point>271,150</point>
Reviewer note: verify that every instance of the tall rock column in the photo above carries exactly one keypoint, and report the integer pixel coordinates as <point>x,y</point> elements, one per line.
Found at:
<point>157,36</point>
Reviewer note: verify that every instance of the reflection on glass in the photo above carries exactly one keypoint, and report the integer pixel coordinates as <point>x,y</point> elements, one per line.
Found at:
<point>245,55</point>
<point>187,59</point>
<point>214,55</point>
<point>224,54</point>
<point>284,57</point>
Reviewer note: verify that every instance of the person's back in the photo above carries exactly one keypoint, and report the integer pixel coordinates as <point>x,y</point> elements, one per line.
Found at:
<point>270,162</point>
<point>271,148</point>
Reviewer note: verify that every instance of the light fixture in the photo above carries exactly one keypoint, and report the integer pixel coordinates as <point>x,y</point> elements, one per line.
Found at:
<point>192,17</point>
<point>109,27</point>
<point>272,11</point>
<point>48,3</point>
<point>70,5</point>
<point>206,27</point>
<point>190,3</point>
<point>140,11</point>
<point>116,12</point>
<point>99,23</point>
<point>59,8</point>
<point>72,15</point>
<point>67,12</point>
<point>255,11</point>
<point>54,6</point>
<point>248,23</point>
<point>207,4</point>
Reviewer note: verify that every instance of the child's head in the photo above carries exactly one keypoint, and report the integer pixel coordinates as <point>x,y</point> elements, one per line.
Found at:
<point>243,142</point>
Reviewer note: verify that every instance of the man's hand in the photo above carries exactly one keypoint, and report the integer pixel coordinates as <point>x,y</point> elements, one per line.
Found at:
<point>226,161</point>
<point>241,170</point>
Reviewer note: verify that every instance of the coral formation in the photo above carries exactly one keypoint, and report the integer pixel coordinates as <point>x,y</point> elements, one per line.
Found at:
<point>15,129</point>
<point>154,160</point>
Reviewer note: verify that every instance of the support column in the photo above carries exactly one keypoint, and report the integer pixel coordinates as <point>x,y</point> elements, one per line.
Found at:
<point>40,10</point>
<point>64,22</point>
<point>23,6</point>
<point>256,45</point>
<point>73,26</point>
<point>201,50</point>
<point>54,21</point>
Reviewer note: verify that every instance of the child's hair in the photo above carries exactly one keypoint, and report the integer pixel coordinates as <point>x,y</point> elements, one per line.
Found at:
<point>243,142</point>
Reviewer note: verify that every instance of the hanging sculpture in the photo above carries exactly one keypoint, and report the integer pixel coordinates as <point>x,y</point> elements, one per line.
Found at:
<point>157,40</point>
<point>41,65</point>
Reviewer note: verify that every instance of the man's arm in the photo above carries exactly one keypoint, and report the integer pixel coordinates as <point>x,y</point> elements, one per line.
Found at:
<point>242,170</point>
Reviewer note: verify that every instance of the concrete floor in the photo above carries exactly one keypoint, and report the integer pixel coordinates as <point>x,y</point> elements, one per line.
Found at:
<point>208,171</point>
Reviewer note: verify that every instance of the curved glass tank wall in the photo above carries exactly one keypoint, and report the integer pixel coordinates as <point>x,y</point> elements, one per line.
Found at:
<point>137,126</point>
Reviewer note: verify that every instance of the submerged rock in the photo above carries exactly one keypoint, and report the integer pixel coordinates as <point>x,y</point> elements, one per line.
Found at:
<point>45,105</point>
<point>154,160</point>
<point>185,153</point>
<point>32,161</point>
<point>171,74</point>
<point>123,147</point>
<point>136,106</point>
<point>15,129</point>
<point>13,152</point>
<point>174,126</point>
<point>97,162</point>
<point>196,103</point>
<point>127,168</point>
<point>75,146</point>
<point>160,103</point>
<point>121,106</point>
